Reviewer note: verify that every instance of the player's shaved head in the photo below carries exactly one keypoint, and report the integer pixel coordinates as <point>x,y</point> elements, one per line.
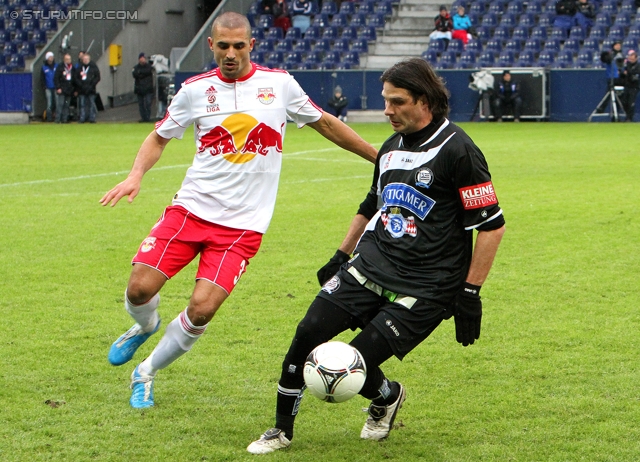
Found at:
<point>231,20</point>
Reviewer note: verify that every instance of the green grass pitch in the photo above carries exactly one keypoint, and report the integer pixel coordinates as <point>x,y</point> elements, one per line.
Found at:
<point>554,376</point>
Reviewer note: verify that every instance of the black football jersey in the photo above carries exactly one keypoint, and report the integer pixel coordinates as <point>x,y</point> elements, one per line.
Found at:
<point>430,190</point>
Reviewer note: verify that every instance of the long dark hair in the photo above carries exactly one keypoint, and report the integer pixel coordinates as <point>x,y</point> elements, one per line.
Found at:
<point>417,77</point>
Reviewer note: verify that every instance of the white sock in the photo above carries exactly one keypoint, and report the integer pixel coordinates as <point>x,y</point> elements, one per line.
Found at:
<point>146,315</point>
<point>179,337</point>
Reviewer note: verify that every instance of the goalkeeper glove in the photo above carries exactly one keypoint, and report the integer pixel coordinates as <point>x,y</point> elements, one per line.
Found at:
<point>467,314</point>
<point>327,271</point>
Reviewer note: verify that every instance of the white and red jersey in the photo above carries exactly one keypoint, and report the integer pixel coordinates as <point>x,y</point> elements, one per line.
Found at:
<point>239,129</point>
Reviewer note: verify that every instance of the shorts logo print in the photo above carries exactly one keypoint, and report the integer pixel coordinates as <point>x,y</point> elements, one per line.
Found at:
<point>389,323</point>
<point>148,244</point>
<point>331,285</point>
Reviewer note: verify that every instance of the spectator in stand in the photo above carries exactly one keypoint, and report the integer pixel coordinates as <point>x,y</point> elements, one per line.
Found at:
<point>339,104</point>
<point>48,72</point>
<point>280,12</point>
<point>86,79</point>
<point>63,80</point>
<point>565,9</point>
<point>507,95</point>
<point>443,26</point>
<point>462,28</point>
<point>585,15</point>
<point>143,87</point>
<point>631,74</point>
<point>302,11</point>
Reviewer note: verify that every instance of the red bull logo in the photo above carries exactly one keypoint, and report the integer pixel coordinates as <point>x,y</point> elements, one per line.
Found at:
<point>266,95</point>
<point>240,138</point>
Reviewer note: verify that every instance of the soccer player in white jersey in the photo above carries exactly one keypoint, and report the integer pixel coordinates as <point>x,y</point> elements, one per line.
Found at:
<point>226,201</point>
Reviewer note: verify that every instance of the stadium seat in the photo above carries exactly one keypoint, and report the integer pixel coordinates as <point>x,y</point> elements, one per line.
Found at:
<point>366,7</point>
<point>539,32</point>
<point>16,61</point>
<point>13,25</point>
<point>494,45</point>
<point>430,56</point>
<point>533,45</point>
<point>486,59</point>
<point>343,65</point>
<point>320,20</point>
<point>367,33</point>
<point>284,45</point>
<point>515,7</point>
<point>474,46</point>
<point>376,20</point>
<point>330,32</point>
<point>313,33</point>
<point>384,8</point>
<point>28,50</point>
<point>630,43</point>
<point>506,59</point>
<point>525,59</point>
<point>358,20</point>
<point>552,45</point>
<point>586,56</point>
<point>329,8</point>
<point>315,57</point>
<point>31,24</point>
<point>598,32</point>
<point>265,21</point>
<point>275,56</point>
<point>577,32</point>
<point>349,32</point>
<point>477,8</point>
<point>565,56</point>
<point>508,20</point>
<point>308,66</point>
<point>591,44</point>
<point>520,33</point>
<point>546,58</point>
<point>475,19</point>
<point>622,19</point>
<point>616,32</point>
<point>341,45</point>
<point>572,45</point>
<point>559,33</point>
<point>20,36</point>
<point>609,7</point>
<point>303,46</point>
<point>502,33</point>
<point>603,19</point>
<point>39,37</point>
<point>323,45</point>
<point>527,20</point>
<point>484,33</point>
<point>293,33</point>
<point>352,58</point>
<point>360,45</point>
<point>257,33</point>
<point>550,6</point>
<point>468,57</point>
<point>634,32</point>
<point>339,20</point>
<point>535,7</point>
<point>265,45</point>
<point>437,45</point>
<point>275,33</point>
<point>496,7</point>
<point>332,56</point>
<point>448,58</point>
<point>257,57</point>
<point>255,8</point>
<point>628,7</point>
<point>513,45</point>
<point>10,48</point>
<point>546,19</point>
<point>5,36</point>
<point>490,20</point>
<point>347,8</point>
<point>456,46</point>
<point>293,57</point>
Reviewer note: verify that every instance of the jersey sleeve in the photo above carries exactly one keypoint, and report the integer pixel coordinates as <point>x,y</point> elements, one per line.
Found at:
<point>178,117</point>
<point>369,206</point>
<point>299,106</point>
<point>477,196</point>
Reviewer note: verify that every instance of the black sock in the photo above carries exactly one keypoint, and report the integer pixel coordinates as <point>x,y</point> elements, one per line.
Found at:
<point>285,423</point>
<point>388,393</point>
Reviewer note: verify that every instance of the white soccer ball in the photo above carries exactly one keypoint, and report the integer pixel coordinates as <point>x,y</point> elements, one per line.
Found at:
<point>334,372</point>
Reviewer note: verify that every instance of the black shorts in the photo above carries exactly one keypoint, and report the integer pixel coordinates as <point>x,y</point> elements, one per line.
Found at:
<point>404,328</point>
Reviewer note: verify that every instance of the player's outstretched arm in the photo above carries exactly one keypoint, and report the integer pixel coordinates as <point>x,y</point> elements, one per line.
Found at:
<point>339,133</point>
<point>148,155</point>
<point>484,251</point>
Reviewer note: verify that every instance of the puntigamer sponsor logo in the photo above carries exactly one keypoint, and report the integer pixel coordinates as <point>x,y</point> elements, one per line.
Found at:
<point>405,196</point>
<point>477,196</point>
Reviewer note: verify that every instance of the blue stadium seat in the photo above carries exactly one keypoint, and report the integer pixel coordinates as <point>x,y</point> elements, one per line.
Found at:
<point>577,32</point>
<point>477,8</point>
<point>265,21</point>
<point>559,33</point>
<point>330,32</point>
<point>533,45</point>
<point>315,56</point>
<point>474,46</point>
<point>506,59</point>
<point>535,7</point>
<point>257,33</point>
<point>552,45</point>
<point>339,20</point>
<point>546,58</point>
<point>565,56</point>
<point>342,65</point>
<point>630,43</point>
<point>490,20</point>
<point>486,59</point>
<point>616,32</point>
<point>539,32</point>
<point>591,44</point>
<point>341,45</point>
<point>347,8</point>
<point>527,20</point>
<point>265,45</point>
<point>13,25</point>
<point>366,7</point>
<point>351,57</point>
<point>275,56</point>
<point>303,45</point>
<point>16,61</point>
<point>598,32</point>
<point>10,48</point>
<point>257,57</point>
<point>320,20</point>
<point>368,33</point>
<point>634,31</point>
<point>5,36</point>
<point>39,37</point>
<point>494,45</point>
<point>496,7</point>
<point>468,57</point>
<point>430,56</point>
<point>28,50</point>
<point>448,59</point>
<point>349,32</point>
<point>501,33</point>
<point>360,45</point>
<point>484,33</point>
<point>293,57</point>
<point>546,19</point>
<point>475,19</point>
<point>456,46</point>
<point>255,8</point>
<point>572,45</point>
<point>293,33</point>
<point>525,59</point>
<point>284,45</point>
<point>31,24</point>
<point>332,56</point>
<point>515,7</point>
<point>437,45</point>
<point>323,45</point>
<point>328,8</point>
<point>586,56</point>
<point>313,33</point>
<point>609,7</point>
<point>622,19</point>
<point>376,20</point>
<point>520,33</point>
<point>275,33</point>
<point>513,45</point>
<point>508,20</point>
<point>628,6</point>
<point>308,66</point>
<point>358,20</point>
<point>20,36</point>
<point>603,19</point>
<point>550,6</point>
<point>384,8</point>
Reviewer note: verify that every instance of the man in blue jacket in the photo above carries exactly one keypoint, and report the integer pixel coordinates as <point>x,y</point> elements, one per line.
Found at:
<point>48,71</point>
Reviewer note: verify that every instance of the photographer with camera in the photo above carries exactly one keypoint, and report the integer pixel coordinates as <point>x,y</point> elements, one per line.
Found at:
<point>613,61</point>
<point>631,75</point>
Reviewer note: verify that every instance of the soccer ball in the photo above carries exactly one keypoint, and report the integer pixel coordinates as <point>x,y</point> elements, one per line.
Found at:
<point>334,372</point>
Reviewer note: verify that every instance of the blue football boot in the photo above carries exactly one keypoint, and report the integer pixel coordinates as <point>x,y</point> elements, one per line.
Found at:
<point>128,343</point>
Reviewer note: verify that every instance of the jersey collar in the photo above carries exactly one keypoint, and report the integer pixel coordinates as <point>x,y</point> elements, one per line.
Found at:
<point>241,79</point>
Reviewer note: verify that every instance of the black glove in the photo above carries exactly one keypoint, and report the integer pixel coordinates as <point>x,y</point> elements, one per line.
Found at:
<point>327,271</point>
<point>467,313</point>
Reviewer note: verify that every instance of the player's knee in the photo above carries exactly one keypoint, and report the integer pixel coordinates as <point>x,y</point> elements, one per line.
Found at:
<point>138,292</point>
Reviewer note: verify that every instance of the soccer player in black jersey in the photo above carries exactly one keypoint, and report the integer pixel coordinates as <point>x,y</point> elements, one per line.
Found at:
<point>414,263</point>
